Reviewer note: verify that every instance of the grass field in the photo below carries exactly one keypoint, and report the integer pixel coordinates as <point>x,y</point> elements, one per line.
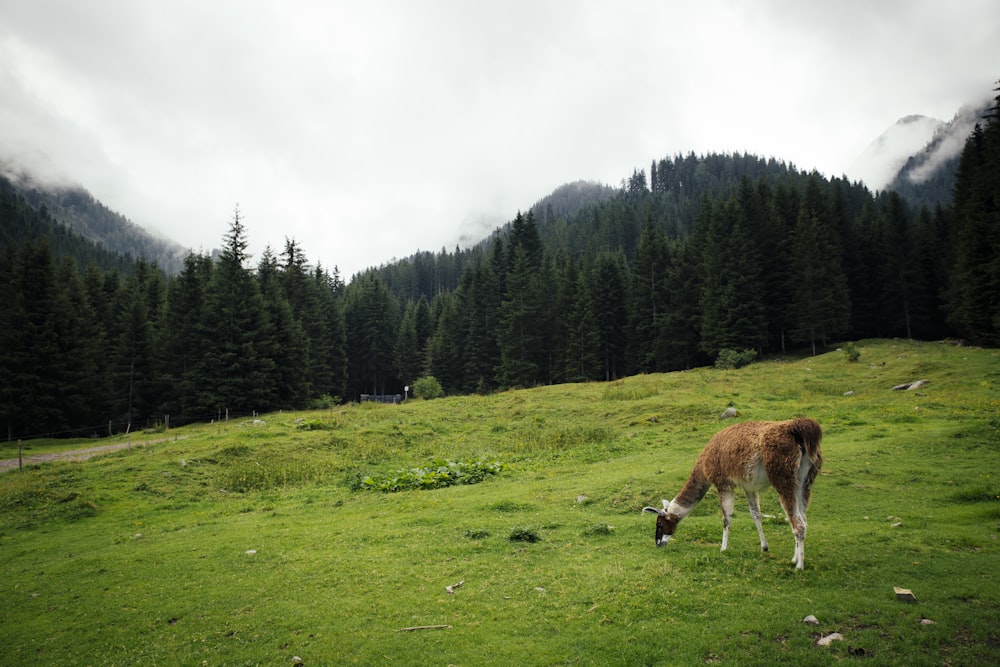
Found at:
<point>251,544</point>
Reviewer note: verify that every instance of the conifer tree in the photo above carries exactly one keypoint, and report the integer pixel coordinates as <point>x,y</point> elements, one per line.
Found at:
<point>31,345</point>
<point>478,299</point>
<point>609,294</point>
<point>973,290</point>
<point>408,356</point>
<point>731,303</point>
<point>444,347</point>
<point>371,325</point>
<point>680,324</point>
<point>83,383</point>
<point>648,299</point>
<point>284,342</point>
<point>186,341</point>
<point>519,338</point>
<point>819,308</point>
<point>582,361</point>
<point>328,343</point>
<point>233,373</point>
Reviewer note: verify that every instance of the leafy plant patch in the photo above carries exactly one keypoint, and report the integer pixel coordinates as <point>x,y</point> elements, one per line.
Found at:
<point>438,475</point>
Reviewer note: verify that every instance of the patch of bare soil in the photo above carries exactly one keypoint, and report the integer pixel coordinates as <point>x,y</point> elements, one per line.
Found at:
<point>76,454</point>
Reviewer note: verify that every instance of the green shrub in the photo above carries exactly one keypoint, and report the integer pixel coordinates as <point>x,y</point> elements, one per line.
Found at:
<point>851,352</point>
<point>730,359</point>
<point>427,388</point>
<point>324,402</point>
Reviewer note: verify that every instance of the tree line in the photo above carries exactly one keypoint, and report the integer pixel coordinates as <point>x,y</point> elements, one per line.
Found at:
<point>703,258</point>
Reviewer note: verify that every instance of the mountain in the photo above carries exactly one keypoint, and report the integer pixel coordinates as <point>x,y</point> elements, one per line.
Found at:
<point>928,175</point>
<point>79,211</point>
<point>570,198</point>
<point>884,157</point>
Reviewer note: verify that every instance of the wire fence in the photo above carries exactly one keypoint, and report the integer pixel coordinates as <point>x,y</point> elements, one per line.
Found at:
<point>113,428</point>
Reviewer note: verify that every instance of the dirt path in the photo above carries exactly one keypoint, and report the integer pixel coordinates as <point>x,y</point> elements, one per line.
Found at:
<point>78,454</point>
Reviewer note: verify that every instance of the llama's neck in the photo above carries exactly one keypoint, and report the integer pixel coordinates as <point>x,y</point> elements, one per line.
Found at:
<point>694,490</point>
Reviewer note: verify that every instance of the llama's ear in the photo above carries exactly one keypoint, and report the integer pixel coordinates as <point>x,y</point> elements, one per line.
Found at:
<point>666,504</point>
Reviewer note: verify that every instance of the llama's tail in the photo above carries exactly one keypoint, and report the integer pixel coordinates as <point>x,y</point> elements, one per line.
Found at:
<point>808,434</point>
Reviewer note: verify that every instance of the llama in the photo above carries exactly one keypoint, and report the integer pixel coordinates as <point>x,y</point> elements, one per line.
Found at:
<point>753,455</point>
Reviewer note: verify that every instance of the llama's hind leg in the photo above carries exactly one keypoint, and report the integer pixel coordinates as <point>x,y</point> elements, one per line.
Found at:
<point>753,500</point>
<point>726,503</point>
<point>797,520</point>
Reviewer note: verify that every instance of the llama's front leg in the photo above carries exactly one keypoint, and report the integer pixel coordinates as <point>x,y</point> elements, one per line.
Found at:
<point>753,500</point>
<point>726,503</point>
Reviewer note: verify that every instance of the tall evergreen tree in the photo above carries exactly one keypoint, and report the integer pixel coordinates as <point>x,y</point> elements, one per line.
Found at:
<point>819,308</point>
<point>973,290</point>
<point>582,360</point>
<point>30,391</point>
<point>284,343</point>
<point>648,299</point>
<point>732,303</point>
<point>609,293</point>
<point>479,300</point>
<point>680,324</point>
<point>518,336</point>
<point>186,341</point>
<point>371,325</point>
<point>233,374</point>
<point>328,343</point>
<point>444,348</point>
<point>408,355</point>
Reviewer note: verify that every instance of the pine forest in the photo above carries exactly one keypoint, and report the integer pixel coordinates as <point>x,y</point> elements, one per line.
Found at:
<point>715,259</point>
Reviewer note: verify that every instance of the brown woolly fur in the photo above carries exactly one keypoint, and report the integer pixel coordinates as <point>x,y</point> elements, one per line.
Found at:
<point>754,455</point>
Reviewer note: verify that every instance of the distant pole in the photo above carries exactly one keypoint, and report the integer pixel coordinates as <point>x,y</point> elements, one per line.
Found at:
<point>20,464</point>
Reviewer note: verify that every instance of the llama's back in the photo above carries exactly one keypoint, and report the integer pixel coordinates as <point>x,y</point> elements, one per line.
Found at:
<point>733,453</point>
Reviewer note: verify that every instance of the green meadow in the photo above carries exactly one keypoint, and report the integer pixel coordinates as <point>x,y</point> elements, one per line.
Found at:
<point>506,529</point>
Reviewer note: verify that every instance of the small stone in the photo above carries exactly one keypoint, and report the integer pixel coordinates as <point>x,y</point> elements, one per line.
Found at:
<point>897,524</point>
<point>849,393</point>
<point>927,621</point>
<point>251,552</point>
<point>296,660</point>
<point>829,639</point>
<point>582,498</point>
<point>904,594</point>
<point>810,620</point>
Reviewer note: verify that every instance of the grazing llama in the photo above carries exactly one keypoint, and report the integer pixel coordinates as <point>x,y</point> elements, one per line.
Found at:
<point>753,455</point>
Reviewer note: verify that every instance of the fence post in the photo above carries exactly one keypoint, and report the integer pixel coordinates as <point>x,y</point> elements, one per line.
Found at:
<point>20,464</point>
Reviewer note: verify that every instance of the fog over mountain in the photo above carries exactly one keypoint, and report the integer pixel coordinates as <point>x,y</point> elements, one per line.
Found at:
<point>884,157</point>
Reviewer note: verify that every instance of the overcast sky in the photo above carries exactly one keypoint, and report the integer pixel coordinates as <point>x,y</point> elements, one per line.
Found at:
<point>369,130</point>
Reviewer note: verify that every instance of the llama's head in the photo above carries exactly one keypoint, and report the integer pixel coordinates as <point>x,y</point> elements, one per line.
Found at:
<point>666,523</point>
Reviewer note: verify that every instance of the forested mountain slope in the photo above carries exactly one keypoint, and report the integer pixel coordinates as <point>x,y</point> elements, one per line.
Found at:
<point>75,208</point>
<point>704,259</point>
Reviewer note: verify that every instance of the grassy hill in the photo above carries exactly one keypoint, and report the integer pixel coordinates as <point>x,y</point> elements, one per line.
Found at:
<point>254,542</point>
